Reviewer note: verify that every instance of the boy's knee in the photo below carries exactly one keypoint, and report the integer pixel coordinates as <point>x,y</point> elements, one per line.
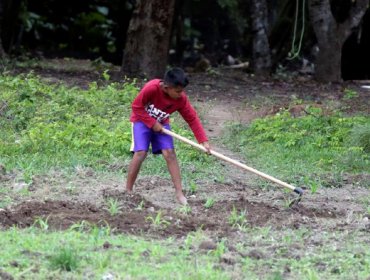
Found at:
<point>169,154</point>
<point>140,155</point>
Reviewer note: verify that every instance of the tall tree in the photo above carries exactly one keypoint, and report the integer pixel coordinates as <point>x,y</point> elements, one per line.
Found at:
<point>331,35</point>
<point>148,36</point>
<point>261,56</point>
<point>2,52</point>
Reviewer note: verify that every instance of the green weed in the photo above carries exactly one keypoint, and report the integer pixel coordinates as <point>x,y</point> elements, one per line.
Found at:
<point>158,220</point>
<point>65,258</point>
<point>193,187</point>
<point>42,223</point>
<point>113,206</point>
<point>238,219</point>
<point>285,147</point>
<point>350,94</point>
<point>221,248</point>
<point>360,137</point>
<point>209,203</point>
<point>185,209</point>
<point>140,206</point>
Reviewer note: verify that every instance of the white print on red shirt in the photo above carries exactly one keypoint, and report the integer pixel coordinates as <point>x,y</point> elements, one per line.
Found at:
<point>156,113</point>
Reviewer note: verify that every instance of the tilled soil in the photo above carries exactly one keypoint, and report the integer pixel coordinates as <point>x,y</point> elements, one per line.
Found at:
<point>137,214</point>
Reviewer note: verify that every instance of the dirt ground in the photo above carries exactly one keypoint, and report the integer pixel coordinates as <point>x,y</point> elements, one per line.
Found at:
<point>221,97</point>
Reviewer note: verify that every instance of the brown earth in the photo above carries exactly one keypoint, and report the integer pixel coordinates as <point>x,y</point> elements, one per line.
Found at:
<point>220,97</point>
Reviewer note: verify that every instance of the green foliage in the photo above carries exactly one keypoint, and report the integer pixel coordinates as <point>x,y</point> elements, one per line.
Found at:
<point>42,223</point>
<point>350,94</point>
<point>158,221</point>
<point>113,206</point>
<point>209,203</point>
<point>238,219</point>
<point>193,187</point>
<point>42,121</point>
<point>310,144</point>
<point>65,259</point>
<point>316,130</point>
<point>42,255</point>
<point>184,209</point>
<point>232,4</point>
<point>360,137</point>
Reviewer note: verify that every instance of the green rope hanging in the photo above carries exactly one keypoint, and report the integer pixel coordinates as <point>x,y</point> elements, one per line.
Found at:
<point>296,48</point>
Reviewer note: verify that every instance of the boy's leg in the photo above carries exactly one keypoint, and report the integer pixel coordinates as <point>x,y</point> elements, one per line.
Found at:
<point>141,136</point>
<point>134,169</point>
<point>174,169</point>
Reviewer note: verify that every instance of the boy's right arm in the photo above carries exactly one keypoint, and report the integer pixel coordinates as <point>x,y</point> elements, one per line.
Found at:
<point>138,107</point>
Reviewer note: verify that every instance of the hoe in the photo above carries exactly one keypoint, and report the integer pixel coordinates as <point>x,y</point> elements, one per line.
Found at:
<point>299,191</point>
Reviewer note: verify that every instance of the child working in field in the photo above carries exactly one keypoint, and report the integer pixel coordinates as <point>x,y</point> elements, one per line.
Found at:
<point>151,110</point>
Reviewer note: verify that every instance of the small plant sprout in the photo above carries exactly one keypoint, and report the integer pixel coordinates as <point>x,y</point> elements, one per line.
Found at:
<point>220,178</point>
<point>158,220</point>
<point>288,201</point>
<point>113,206</point>
<point>193,187</point>
<point>106,75</point>
<point>221,248</point>
<point>209,203</point>
<point>350,94</point>
<point>185,209</point>
<point>314,186</point>
<point>42,223</point>
<point>141,205</point>
<point>238,219</point>
<point>81,226</point>
<point>71,188</point>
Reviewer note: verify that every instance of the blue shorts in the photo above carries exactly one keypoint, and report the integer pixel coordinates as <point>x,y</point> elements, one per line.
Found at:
<point>143,136</point>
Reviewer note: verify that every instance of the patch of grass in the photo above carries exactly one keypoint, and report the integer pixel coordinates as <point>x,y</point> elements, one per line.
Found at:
<point>360,137</point>
<point>158,221</point>
<point>184,209</point>
<point>46,126</point>
<point>42,223</point>
<point>113,206</point>
<point>65,259</point>
<point>210,202</point>
<point>307,147</point>
<point>238,219</point>
<point>75,254</point>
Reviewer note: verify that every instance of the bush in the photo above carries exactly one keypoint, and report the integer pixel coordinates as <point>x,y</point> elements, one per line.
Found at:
<point>360,137</point>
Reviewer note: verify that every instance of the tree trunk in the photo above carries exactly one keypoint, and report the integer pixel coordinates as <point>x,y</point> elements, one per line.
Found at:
<point>331,36</point>
<point>148,35</point>
<point>261,57</point>
<point>2,52</point>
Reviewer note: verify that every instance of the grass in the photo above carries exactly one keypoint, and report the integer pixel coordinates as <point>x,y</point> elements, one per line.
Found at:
<point>52,127</point>
<point>75,254</point>
<point>310,150</point>
<point>48,126</point>
<point>288,254</point>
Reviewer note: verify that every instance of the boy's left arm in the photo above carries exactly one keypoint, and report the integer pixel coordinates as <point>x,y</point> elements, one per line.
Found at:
<point>191,117</point>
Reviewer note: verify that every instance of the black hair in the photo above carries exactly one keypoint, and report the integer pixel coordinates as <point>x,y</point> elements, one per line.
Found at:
<point>176,77</point>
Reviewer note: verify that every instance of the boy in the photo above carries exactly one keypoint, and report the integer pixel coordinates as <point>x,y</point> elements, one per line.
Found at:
<point>151,110</point>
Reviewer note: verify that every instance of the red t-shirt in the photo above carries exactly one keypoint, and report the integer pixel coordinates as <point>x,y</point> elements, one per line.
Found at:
<point>152,105</point>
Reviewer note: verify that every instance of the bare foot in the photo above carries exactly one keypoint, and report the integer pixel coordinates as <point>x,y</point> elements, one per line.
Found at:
<point>181,199</point>
<point>128,191</point>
